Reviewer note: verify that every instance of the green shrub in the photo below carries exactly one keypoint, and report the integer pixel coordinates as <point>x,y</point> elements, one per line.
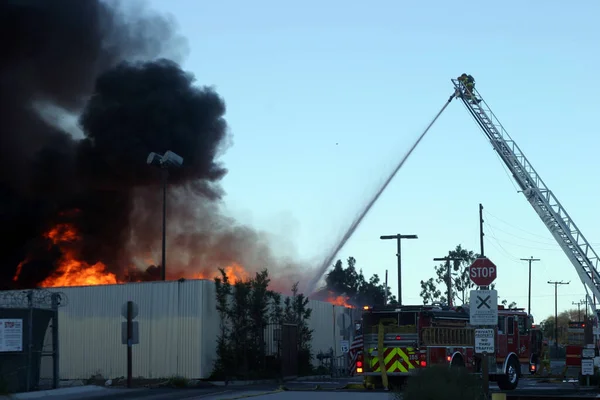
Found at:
<point>442,383</point>
<point>322,370</point>
<point>177,382</point>
<point>594,379</point>
<point>3,386</point>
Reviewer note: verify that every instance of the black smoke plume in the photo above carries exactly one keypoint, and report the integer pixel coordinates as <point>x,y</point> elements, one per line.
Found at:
<point>87,58</point>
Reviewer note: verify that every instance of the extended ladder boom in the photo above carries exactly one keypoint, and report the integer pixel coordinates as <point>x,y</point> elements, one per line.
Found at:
<point>555,217</point>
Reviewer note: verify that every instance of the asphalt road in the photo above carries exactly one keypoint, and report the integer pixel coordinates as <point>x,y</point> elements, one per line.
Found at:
<point>326,389</point>
<point>303,395</point>
<point>230,393</point>
<point>305,389</point>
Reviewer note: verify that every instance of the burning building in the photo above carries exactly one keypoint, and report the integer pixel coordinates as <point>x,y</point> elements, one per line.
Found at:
<point>87,90</point>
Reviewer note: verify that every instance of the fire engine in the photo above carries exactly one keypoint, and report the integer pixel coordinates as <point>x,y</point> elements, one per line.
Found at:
<point>575,344</point>
<point>399,340</point>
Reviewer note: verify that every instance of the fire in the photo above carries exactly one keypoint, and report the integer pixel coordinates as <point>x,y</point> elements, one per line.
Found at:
<point>19,268</point>
<point>71,271</point>
<point>339,300</point>
<point>234,272</point>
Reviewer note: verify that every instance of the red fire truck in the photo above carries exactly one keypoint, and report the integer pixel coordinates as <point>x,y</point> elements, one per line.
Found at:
<point>575,344</point>
<point>397,341</point>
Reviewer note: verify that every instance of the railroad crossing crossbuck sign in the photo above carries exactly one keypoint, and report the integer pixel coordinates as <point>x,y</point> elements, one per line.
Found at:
<point>483,272</point>
<point>483,307</point>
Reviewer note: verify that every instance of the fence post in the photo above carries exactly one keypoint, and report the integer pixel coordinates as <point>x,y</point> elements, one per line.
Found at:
<point>29,337</point>
<point>55,351</point>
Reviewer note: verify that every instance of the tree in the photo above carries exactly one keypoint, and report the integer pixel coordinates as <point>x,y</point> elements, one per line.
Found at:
<point>434,289</point>
<point>564,317</point>
<point>245,308</point>
<point>224,361</point>
<point>459,278</point>
<point>348,282</point>
<point>297,312</point>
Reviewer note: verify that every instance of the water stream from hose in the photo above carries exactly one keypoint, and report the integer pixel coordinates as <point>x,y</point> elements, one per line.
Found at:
<point>367,207</point>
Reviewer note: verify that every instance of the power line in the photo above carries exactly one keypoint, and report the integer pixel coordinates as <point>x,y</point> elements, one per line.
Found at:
<point>497,245</point>
<point>524,230</point>
<point>550,242</point>
<point>522,245</point>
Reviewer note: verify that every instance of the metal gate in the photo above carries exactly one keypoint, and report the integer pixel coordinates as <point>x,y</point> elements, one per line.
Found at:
<point>27,316</point>
<point>289,350</point>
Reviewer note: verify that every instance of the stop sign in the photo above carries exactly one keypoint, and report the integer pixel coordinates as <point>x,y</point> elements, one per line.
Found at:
<point>482,272</point>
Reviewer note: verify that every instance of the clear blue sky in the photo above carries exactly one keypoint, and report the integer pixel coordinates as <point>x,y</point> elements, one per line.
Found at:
<point>324,98</point>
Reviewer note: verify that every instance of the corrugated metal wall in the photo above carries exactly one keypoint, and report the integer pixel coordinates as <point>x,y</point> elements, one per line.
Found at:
<point>170,326</point>
<point>178,326</point>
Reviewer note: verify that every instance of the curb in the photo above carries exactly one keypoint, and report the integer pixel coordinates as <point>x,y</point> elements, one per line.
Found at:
<point>54,393</point>
<point>255,394</point>
<point>317,388</point>
<point>263,381</point>
<point>246,383</point>
<point>354,386</point>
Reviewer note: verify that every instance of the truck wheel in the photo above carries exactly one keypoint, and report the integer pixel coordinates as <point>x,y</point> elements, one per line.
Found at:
<point>457,362</point>
<point>510,379</point>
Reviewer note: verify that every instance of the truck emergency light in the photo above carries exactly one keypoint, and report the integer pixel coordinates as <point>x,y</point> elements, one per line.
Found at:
<point>359,364</point>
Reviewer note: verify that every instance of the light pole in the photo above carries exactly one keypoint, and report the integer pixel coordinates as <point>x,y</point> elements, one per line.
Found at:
<point>398,238</point>
<point>530,260</point>
<point>164,162</point>
<point>556,283</point>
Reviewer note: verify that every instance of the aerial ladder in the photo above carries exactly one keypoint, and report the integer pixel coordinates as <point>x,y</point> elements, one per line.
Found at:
<point>544,202</point>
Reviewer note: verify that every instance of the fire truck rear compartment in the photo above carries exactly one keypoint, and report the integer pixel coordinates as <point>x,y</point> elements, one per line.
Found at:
<point>396,333</point>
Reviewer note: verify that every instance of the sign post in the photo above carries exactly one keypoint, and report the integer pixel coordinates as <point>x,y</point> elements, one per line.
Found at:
<point>129,334</point>
<point>587,363</point>
<point>484,310</point>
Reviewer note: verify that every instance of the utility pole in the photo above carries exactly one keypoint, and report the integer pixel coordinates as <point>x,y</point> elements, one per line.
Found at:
<point>530,260</point>
<point>485,369</point>
<point>447,259</point>
<point>481,230</point>
<point>398,238</point>
<point>579,304</point>
<point>556,283</point>
<point>385,301</point>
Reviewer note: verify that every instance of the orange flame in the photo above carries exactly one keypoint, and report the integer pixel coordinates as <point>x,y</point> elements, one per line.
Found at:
<point>19,268</point>
<point>339,300</point>
<point>234,272</point>
<point>71,271</point>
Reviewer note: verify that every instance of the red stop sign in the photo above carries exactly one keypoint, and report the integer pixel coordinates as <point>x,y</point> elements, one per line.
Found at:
<point>483,272</point>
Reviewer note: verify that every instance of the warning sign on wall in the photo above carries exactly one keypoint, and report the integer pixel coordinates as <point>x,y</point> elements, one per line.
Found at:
<point>11,335</point>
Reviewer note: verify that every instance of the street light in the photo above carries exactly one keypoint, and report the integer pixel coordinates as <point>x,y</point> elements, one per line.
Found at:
<point>398,239</point>
<point>164,162</point>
